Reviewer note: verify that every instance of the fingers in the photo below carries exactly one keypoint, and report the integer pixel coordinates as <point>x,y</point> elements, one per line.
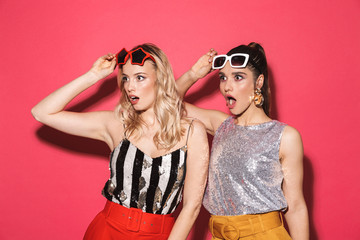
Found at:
<point>113,63</point>
<point>212,53</point>
<point>109,56</point>
<point>107,61</point>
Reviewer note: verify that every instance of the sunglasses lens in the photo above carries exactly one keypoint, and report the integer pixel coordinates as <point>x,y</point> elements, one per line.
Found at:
<point>219,62</point>
<point>138,56</point>
<point>121,56</point>
<point>237,61</point>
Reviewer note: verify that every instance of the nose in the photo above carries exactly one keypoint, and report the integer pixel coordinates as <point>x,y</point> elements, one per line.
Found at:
<point>131,86</point>
<point>228,86</point>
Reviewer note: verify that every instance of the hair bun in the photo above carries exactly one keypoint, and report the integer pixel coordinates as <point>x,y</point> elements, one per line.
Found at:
<point>257,46</point>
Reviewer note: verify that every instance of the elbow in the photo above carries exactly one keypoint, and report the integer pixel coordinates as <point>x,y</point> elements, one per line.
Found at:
<point>35,113</point>
<point>297,207</point>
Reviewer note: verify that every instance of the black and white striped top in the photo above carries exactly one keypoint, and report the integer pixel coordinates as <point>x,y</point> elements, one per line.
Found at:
<point>153,185</point>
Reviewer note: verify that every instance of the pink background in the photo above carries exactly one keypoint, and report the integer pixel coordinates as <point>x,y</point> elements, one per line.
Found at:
<point>50,182</point>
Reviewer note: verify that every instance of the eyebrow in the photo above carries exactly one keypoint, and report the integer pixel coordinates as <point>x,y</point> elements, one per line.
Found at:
<point>233,73</point>
<point>138,73</point>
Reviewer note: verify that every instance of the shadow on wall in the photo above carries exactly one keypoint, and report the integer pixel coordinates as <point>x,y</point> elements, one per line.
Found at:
<point>75,143</point>
<point>201,226</point>
<point>309,195</point>
<point>274,114</point>
<point>72,143</point>
<point>199,230</point>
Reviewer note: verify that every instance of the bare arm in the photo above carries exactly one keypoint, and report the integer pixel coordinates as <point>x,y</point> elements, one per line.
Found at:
<point>199,70</point>
<point>50,110</point>
<point>211,118</point>
<point>291,154</point>
<point>195,181</point>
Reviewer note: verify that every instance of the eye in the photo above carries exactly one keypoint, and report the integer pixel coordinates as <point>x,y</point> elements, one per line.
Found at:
<point>124,79</point>
<point>238,77</point>
<point>140,77</point>
<point>222,78</point>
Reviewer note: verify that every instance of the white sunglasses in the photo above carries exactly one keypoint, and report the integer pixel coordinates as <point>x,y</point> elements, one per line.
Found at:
<point>236,60</point>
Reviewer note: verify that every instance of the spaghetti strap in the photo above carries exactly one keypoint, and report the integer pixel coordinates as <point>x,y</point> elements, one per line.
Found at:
<point>122,114</point>
<point>187,138</point>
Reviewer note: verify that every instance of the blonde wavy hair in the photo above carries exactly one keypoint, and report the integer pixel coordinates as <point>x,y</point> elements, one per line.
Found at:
<point>169,108</point>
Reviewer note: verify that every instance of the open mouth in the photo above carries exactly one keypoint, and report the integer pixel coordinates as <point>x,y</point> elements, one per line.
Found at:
<point>133,99</point>
<point>230,101</point>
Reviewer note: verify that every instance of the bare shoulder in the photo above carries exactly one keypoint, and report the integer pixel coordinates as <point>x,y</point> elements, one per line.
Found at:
<point>290,134</point>
<point>198,129</point>
<point>198,145</point>
<point>291,142</point>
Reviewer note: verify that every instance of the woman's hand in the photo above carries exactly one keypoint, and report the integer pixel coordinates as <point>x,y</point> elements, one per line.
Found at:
<point>199,70</point>
<point>203,66</point>
<point>104,66</point>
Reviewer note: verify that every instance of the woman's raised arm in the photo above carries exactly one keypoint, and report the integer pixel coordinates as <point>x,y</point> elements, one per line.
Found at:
<point>210,118</point>
<point>199,70</point>
<point>50,110</point>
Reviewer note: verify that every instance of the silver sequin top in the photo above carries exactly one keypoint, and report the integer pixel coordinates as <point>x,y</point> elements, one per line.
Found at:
<point>245,173</point>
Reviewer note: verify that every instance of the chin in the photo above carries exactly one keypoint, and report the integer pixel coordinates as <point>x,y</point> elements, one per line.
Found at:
<point>237,112</point>
<point>140,109</point>
<point>234,112</point>
<point>136,108</point>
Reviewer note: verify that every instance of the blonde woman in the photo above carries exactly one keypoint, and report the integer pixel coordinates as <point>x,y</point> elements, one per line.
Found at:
<point>156,152</point>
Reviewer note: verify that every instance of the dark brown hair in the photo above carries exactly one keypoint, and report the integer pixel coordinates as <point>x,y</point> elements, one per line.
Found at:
<point>258,65</point>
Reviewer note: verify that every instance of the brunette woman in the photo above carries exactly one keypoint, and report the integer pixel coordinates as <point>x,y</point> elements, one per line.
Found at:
<point>256,163</point>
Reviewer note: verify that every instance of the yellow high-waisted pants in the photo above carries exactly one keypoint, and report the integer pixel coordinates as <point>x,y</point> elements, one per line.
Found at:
<point>267,226</point>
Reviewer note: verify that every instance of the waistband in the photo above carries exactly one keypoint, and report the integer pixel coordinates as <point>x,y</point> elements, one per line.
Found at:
<point>135,220</point>
<point>234,227</point>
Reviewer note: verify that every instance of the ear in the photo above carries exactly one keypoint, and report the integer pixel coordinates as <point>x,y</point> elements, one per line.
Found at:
<point>260,81</point>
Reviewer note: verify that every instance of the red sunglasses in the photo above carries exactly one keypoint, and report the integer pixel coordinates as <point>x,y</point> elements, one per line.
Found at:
<point>137,56</point>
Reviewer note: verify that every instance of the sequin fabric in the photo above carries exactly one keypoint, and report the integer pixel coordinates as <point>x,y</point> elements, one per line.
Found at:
<point>153,185</point>
<point>245,173</point>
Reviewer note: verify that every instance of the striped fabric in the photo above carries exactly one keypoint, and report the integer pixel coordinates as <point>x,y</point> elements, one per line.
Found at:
<point>153,185</point>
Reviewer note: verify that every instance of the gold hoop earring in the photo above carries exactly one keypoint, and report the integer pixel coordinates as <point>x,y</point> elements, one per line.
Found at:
<point>258,98</point>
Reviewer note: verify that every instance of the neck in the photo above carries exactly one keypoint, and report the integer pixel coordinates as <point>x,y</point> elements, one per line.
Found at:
<point>252,116</point>
<point>148,117</point>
